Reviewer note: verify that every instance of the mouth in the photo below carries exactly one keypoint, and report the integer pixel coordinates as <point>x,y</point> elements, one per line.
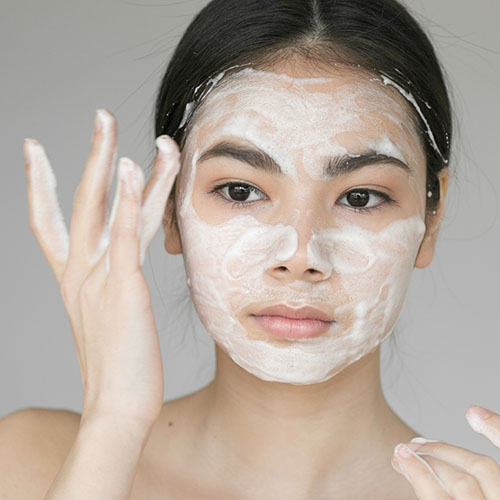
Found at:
<point>288,323</point>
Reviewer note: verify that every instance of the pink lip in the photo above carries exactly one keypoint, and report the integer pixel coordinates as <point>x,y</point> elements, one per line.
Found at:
<point>288,323</point>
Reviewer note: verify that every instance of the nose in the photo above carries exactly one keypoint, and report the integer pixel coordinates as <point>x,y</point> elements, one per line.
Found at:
<point>293,271</point>
<point>300,266</point>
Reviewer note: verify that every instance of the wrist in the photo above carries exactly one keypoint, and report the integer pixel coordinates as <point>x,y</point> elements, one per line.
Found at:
<point>115,428</point>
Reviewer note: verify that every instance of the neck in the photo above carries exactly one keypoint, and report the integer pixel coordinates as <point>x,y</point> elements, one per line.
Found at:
<point>254,426</point>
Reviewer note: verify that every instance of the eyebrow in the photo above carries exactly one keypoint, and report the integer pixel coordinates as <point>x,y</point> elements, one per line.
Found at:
<point>336,166</point>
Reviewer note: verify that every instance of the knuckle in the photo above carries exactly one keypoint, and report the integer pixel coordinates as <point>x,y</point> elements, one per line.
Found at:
<point>125,225</point>
<point>466,484</point>
<point>484,466</point>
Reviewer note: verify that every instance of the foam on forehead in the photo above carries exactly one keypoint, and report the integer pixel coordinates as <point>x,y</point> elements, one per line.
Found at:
<point>285,115</point>
<point>247,83</point>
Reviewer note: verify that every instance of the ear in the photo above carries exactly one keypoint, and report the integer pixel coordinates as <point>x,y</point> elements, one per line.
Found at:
<point>172,242</point>
<point>433,223</point>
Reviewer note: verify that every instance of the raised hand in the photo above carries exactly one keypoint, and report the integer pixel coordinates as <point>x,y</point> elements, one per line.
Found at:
<point>98,268</point>
<point>440,471</point>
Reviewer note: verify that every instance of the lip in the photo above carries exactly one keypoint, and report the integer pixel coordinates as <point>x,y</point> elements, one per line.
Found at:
<point>292,313</point>
<point>288,323</point>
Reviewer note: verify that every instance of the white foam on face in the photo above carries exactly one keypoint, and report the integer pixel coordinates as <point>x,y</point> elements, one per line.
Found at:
<point>208,87</point>
<point>409,97</point>
<point>268,117</point>
<point>385,147</point>
<point>365,270</point>
<point>370,274</point>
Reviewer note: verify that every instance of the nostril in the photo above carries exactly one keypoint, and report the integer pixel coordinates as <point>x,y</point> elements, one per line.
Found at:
<point>313,271</point>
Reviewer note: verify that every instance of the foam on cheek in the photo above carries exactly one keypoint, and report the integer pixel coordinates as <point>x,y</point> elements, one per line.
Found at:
<point>375,270</point>
<point>227,266</point>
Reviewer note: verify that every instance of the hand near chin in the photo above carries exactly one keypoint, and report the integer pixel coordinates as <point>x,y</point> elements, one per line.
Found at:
<point>440,471</point>
<point>98,269</point>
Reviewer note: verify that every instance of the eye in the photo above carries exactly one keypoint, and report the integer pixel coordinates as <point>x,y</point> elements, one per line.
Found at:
<point>238,192</point>
<point>364,199</point>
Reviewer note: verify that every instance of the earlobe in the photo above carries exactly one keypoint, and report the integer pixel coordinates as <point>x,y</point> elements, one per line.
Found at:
<point>433,222</point>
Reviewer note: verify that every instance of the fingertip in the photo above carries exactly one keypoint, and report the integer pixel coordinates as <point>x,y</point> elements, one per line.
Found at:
<point>470,409</point>
<point>474,420</point>
<point>129,171</point>
<point>479,411</point>
<point>396,466</point>
<point>167,147</point>
<point>125,164</point>
<point>104,118</point>
<point>36,160</point>
<point>29,146</point>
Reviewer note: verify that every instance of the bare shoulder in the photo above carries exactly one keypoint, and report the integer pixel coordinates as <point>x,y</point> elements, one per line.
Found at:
<point>34,443</point>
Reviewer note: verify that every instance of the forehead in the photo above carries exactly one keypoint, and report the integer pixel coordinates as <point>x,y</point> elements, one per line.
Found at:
<point>287,115</point>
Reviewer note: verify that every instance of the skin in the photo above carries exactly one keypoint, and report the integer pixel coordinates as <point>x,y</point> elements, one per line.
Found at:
<point>266,426</point>
<point>240,436</point>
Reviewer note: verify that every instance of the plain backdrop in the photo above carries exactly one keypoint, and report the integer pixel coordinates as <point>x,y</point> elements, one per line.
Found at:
<point>60,60</point>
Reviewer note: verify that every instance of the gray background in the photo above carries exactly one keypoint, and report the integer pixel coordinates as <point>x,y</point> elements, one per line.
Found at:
<point>61,60</point>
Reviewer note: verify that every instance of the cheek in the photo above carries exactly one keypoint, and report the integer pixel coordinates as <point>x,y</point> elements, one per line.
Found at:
<point>227,263</point>
<point>374,271</point>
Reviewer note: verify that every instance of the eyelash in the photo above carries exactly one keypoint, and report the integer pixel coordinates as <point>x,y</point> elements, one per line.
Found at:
<point>387,200</point>
<point>216,191</point>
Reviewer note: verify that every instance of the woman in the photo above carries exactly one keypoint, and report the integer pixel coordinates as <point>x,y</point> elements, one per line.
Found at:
<point>314,144</point>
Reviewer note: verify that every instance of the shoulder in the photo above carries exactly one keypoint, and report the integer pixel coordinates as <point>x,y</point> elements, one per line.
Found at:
<point>34,443</point>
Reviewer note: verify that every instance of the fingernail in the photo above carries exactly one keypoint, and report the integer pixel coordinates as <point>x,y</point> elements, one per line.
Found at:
<point>418,442</point>
<point>403,451</point>
<point>483,413</point>
<point>415,446</point>
<point>396,466</point>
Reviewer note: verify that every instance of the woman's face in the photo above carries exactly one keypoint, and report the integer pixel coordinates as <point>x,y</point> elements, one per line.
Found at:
<point>301,208</point>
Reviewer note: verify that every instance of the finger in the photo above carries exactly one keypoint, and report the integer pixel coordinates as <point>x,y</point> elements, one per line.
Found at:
<point>125,228</point>
<point>483,468</point>
<point>88,235</point>
<point>459,483</point>
<point>157,191</point>
<point>419,473</point>
<point>46,218</point>
<point>484,422</point>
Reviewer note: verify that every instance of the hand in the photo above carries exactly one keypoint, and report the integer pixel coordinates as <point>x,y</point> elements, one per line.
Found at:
<point>98,269</point>
<point>439,471</point>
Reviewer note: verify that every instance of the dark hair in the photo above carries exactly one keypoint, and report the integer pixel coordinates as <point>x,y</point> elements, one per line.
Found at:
<point>378,35</point>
